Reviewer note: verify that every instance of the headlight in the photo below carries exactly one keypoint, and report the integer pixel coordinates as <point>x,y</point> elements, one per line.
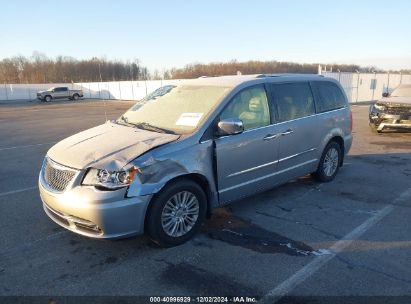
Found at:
<point>110,179</point>
<point>379,107</point>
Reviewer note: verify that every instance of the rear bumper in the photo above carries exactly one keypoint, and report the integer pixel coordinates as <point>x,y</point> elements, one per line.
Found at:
<point>347,143</point>
<point>94,213</point>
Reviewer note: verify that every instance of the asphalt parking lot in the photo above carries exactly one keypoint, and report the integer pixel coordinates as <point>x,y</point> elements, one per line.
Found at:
<point>350,237</point>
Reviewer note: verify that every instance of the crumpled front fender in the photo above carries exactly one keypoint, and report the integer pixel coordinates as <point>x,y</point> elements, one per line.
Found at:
<point>155,171</point>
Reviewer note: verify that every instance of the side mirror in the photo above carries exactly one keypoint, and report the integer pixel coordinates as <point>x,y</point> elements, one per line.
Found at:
<point>230,126</point>
<point>385,94</point>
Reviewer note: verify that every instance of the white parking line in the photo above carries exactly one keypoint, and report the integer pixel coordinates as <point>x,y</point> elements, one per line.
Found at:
<point>311,268</point>
<point>27,146</point>
<point>17,191</point>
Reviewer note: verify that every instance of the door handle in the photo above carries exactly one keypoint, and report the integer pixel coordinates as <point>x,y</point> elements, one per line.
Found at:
<point>270,136</point>
<point>289,131</point>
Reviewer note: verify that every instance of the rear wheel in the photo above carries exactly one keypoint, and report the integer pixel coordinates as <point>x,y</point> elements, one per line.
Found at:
<point>329,163</point>
<point>76,97</point>
<point>176,213</point>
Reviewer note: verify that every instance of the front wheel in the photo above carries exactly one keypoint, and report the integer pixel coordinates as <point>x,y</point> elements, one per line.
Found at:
<point>176,213</point>
<point>47,98</point>
<point>329,163</point>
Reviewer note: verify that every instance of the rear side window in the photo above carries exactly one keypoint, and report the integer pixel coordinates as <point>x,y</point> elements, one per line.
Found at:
<point>331,97</point>
<point>294,100</point>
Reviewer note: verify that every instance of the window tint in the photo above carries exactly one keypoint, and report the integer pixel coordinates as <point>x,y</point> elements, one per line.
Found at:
<point>331,97</point>
<point>251,106</point>
<point>294,100</point>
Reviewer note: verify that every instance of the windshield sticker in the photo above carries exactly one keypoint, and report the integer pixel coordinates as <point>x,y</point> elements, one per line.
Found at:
<point>189,119</point>
<point>158,93</point>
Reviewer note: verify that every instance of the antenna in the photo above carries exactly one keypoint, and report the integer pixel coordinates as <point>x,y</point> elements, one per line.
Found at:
<point>104,100</point>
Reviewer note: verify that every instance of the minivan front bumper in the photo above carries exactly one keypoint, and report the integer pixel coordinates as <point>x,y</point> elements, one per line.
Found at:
<point>94,213</point>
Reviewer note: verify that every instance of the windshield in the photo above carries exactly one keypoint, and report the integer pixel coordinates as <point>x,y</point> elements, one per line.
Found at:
<point>175,109</point>
<point>402,91</point>
<point>49,90</point>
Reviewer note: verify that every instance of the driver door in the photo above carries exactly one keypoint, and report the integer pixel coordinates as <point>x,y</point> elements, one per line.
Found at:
<point>247,162</point>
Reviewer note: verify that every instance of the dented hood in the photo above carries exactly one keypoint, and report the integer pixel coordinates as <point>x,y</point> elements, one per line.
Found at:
<point>109,146</point>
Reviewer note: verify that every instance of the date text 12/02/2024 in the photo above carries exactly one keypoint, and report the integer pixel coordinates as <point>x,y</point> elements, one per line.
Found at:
<point>203,299</point>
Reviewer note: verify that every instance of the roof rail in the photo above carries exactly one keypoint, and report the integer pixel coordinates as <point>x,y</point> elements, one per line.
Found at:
<point>289,75</point>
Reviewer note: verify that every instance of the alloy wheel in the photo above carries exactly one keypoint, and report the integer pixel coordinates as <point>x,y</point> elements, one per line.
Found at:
<point>330,162</point>
<point>180,214</point>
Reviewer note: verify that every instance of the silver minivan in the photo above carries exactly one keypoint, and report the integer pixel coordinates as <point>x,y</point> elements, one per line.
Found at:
<point>187,148</point>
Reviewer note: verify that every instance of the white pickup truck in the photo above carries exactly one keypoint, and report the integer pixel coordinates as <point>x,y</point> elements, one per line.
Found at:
<point>59,93</point>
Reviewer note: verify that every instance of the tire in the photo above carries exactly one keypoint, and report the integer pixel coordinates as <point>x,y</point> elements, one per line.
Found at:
<point>329,163</point>
<point>47,98</point>
<point>162,226</point>
<point>76,97</point>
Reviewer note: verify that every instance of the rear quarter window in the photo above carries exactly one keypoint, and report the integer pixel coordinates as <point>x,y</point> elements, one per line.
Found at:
<point>330,97</point>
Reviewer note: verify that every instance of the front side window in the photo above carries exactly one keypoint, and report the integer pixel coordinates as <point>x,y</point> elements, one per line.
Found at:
<point>331,97</point>
<point>294,100</point>
<point>250,106</point>
<point>175,109</point>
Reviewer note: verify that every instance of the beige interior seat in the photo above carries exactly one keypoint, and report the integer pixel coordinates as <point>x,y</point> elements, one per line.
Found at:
<point>256,114</point>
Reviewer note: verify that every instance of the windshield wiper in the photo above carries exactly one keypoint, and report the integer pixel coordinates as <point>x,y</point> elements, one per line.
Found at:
<point>144,125</point>
<point>150,127</point>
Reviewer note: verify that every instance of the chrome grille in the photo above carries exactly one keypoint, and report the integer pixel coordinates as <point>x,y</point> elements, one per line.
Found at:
<point>56,176</point>
<point>398,109</point>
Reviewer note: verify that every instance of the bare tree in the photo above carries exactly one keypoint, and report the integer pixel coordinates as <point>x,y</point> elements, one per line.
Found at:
<point>41,69</point>
<point>250,67</point>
